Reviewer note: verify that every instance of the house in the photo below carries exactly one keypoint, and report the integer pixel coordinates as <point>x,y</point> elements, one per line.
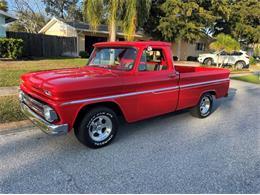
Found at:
<point>86,37</point>
<point>5,18</point>
<point>183,50</point>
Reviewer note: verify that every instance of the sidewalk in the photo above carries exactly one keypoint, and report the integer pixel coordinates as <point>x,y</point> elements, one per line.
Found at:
<point>12,127</point>
<point>5,91</point>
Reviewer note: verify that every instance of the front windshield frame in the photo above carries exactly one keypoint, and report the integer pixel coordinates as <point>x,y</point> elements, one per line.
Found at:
<point>93,55</point>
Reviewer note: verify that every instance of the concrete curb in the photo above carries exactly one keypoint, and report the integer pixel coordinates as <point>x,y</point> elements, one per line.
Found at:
<point>12,127</point>
<point>232,75</point>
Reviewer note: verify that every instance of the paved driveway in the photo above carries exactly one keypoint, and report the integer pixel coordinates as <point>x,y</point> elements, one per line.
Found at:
<point>175,153</point>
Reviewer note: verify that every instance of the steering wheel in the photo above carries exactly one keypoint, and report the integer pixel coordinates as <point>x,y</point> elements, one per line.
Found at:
<point>127,66</point>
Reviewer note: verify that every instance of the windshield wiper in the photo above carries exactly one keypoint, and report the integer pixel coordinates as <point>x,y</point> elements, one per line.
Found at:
<point>99,66</point>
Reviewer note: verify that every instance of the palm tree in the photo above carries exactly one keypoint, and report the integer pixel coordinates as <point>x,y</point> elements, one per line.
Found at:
<point>125,13</point>
<point>224,43</point>
<point>3,5</point>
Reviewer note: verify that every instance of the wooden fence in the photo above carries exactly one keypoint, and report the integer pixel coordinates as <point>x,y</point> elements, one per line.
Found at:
<point>40,45</point>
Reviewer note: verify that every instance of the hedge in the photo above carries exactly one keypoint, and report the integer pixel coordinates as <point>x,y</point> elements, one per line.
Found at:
<point>11,48</point>
<point>84,54</point>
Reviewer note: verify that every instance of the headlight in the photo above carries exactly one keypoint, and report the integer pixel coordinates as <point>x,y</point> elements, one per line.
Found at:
<point>49,114</point>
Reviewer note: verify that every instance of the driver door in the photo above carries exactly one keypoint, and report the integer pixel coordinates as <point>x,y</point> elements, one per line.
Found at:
<point>159,82</point>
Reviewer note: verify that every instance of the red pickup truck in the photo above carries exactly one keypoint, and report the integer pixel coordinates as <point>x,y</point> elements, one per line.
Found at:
<point>131,80</point>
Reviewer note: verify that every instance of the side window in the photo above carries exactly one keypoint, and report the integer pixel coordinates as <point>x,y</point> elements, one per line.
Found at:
<point>223,53</point>
<point>152,60</point>
<point>236,53</point>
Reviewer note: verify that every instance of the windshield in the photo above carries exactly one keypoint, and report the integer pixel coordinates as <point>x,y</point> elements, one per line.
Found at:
<point>118,58</point>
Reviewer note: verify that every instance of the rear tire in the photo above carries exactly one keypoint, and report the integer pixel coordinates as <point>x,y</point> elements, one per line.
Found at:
<point>97,128</point>
<point>204,108</point>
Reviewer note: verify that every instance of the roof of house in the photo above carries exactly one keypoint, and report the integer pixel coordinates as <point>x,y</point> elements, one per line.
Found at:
<point>82,26</point>
<point>86,26</point>
<point>8,17</point>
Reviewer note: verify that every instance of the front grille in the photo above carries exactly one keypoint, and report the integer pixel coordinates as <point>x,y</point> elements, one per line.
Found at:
<point>32,103</point>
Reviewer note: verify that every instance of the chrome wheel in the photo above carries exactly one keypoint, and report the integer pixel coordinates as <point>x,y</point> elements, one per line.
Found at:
<point>205,105</point>
<point>100,128</point>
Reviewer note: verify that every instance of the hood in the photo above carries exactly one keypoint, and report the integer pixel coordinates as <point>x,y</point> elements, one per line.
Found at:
<point>58,82</point>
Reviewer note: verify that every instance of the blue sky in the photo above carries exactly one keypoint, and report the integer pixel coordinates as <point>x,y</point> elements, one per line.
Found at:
<point>33,3</point>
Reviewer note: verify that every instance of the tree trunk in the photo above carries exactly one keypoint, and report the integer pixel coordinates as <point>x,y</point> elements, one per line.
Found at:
<point>112,34</point>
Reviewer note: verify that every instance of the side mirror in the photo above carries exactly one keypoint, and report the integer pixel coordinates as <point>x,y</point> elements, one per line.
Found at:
<point>149,48</point>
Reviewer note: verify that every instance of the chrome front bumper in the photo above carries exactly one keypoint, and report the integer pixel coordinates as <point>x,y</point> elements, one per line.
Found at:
<point>42,124</point>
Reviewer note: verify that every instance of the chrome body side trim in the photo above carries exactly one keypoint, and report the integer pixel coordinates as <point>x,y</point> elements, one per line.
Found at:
<point>155,91</point>
<point>120,95</point>
<point>42,124</point>
<point>204,83</point>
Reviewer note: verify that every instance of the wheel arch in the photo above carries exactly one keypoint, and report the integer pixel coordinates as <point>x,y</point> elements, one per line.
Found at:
<point>212,92</point>
<point>208,58</point>
<point>244,62</point>
<point>109,104</point>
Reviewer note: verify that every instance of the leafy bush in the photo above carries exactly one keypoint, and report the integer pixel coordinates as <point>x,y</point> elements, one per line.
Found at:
<point>175,58</point>
<point>256,51</point>
<point>252,61</point>
<point>83,54</point>
<point>11,48</point>
<point>192,58</point>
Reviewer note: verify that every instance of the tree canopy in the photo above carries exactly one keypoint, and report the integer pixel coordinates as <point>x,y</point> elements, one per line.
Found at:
<point>225,43</point>
<point>246,26</point>
<point>150,26</point>
<point>66,9</point>
<point>187,20</point>
<point>190,20</point>
<point>127,14</point>
<point>30,17</point>
<point>3,5</point>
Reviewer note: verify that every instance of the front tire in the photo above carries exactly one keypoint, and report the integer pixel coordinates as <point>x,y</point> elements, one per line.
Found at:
<point>240,65</point>
<point>204,108</point>
<point>208,62</point>
<point>97,128</point>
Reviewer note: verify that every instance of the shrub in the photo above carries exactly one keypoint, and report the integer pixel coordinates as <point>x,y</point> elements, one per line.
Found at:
<point>83,54</point>
<point>252,61</point>
<point>192,58</point>
<point>257,51</point>
<point>175,58</point>
<point>11,48</point>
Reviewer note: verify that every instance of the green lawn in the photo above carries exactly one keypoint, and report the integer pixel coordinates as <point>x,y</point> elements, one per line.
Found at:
<point>10,109</point>
<point>10,71</point>
<point>249,78</point>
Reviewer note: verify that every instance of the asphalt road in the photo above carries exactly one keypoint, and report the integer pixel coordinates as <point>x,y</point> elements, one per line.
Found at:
<point>174,153</point>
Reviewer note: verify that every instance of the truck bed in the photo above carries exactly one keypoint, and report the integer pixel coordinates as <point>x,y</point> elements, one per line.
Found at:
<point>194,81</point>
<point>200,74</point>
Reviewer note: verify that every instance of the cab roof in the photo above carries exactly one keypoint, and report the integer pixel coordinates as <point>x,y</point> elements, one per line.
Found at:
<point>132,43</point>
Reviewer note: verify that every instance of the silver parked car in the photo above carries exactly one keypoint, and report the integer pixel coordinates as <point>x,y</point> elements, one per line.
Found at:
<point>238,58</point>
